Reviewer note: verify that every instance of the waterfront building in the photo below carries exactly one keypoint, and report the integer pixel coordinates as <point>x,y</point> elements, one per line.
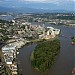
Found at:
<point>14,69</point>
<point>9,50</point>
<point>9,53</point>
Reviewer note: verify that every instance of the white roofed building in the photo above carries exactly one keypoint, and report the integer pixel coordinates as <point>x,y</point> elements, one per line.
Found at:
<point>9,52</point>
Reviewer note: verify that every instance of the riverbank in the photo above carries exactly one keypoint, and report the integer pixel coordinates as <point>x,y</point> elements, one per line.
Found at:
<point>17,42</point>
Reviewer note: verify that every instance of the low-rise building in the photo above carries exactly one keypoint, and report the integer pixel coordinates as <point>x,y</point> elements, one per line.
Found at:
<point>9,52</point>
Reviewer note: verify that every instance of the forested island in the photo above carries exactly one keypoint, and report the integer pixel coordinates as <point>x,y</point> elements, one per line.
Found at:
<point>44,55</point>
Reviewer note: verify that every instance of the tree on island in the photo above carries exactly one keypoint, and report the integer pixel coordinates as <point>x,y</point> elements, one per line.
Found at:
<point>43,57</point>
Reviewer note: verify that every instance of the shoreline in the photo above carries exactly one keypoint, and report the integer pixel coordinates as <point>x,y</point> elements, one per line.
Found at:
<point>32,60</point>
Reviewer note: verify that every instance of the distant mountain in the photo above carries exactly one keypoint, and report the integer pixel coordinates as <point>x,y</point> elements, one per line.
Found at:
<point>30,10</point>
<point>6,9</point>
<point>20,10</point>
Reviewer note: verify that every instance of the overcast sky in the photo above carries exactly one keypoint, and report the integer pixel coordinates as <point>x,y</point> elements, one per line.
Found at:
<point>36,0</point>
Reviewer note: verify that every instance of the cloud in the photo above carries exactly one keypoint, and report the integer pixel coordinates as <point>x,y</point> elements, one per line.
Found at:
<point>38,1</point>
<point>45,0</point>
<point>34,0</point>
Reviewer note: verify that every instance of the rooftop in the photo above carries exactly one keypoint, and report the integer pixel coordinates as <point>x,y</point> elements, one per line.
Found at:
<point>9,47</point>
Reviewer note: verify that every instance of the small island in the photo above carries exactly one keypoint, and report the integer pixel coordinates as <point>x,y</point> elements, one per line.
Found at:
<point>44,55</point>
<point>73,40</point>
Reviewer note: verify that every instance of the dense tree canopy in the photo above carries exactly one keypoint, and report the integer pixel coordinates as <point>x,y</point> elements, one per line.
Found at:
<point>43,57</point>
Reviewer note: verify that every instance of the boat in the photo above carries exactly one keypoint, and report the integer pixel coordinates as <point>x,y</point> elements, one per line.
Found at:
<point>17,52</point>
<point>73,43</point>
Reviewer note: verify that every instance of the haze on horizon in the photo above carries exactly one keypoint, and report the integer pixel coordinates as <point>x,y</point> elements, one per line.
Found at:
<point>40,4</point>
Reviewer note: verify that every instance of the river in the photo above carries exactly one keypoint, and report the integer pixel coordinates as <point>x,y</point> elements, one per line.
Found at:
<point>65,60</point>
<point>7,17</point>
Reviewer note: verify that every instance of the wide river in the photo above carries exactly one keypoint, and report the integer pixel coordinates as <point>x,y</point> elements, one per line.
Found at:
<point>64,62</point>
